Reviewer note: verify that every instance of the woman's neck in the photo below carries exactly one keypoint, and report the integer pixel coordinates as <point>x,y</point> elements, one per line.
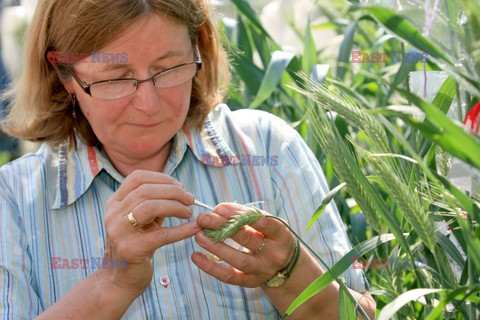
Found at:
<point>126,164</point>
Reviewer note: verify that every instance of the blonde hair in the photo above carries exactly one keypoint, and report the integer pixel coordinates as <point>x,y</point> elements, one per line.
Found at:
<point>40,109</point>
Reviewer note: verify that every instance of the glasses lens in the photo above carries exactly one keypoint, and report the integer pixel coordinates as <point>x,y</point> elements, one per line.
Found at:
<point>113,89</point>
<point>176,76</point>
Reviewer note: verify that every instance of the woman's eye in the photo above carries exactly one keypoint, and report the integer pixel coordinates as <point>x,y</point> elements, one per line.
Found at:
<point>165,66</point>
<point>116,73</point>
<point>159,69</point>
<point>126,75</point>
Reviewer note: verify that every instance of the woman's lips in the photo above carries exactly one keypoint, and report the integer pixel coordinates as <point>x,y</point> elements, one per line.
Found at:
<point>146,125</point>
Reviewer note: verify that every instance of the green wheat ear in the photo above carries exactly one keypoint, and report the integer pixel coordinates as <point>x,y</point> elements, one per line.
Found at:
<point>234,224</point>
<point>251,216</point>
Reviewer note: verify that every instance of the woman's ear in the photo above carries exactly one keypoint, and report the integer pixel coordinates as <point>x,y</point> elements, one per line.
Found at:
<point>53,57</point>
<point>68,85</point>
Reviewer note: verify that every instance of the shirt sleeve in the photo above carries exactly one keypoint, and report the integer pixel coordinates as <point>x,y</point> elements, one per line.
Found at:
<point>300,188</point>
<point>18,299</point>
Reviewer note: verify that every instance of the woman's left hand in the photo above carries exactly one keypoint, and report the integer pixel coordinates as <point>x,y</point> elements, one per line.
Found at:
<point>271,247</point>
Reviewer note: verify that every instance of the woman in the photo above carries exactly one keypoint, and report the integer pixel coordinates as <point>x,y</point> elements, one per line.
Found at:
<point>123,161</point>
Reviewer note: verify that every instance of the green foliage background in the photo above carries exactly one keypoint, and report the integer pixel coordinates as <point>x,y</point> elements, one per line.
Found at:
<point>385,150</point>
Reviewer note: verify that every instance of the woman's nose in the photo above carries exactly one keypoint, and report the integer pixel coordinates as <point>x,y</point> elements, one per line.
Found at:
<point>147,98</point>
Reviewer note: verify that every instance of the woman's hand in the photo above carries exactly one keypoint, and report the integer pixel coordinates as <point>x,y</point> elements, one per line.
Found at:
<point>151,197</point>
<point>271,247</point>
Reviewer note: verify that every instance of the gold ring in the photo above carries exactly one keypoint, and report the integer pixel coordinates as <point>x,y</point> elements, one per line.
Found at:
<point>261,246</point>
<point>132,220</point>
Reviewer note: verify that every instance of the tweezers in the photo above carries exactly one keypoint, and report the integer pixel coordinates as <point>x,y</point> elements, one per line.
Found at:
<point>203,205</point>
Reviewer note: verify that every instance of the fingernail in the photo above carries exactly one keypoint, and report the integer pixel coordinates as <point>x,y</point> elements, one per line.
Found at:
<point>197,257</point>
<point>189,197</point>
<point>222,210</point>
<point>202,238</point>
<point>207,220</point>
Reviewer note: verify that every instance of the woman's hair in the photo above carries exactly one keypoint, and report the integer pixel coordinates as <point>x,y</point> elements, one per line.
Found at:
<point>40,109</point>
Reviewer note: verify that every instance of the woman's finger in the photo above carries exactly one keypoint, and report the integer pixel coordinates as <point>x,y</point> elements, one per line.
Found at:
<point>225,273</point>
<point>148,210</point>
<point>157,191</point>
<point>251,239</point>
<point>211,220</point>
<point>155,239</point>
<point>154,225</point>
<point>240,260</point>
<point>139,177</point>
<point>229,209</point>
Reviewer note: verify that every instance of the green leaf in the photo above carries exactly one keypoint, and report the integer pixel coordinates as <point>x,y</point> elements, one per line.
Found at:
<point>243,40</point>
<point>405,30</point>
<point>445,133</point>
<point>391,309</point>
<point>442,101</point>
<point>345,306</point>
<point>324,204</point>
<point>324,26</point>
<point>465,201</point>
<point>309,57</point>
<point>262,46</point>
<point>444,98</point>
<point>451,249</point>
<point>245,8</point>
<point>338,268</point>
<point>462,293</point>
<point>400,77</point>
<point>329,196</point>
<point>250,74</point>
<point>277,66</point>
<point>345,50</point>
<point>473,243</point>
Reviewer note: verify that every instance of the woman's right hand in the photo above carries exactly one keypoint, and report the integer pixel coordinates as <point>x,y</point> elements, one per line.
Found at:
<point>151,197</point>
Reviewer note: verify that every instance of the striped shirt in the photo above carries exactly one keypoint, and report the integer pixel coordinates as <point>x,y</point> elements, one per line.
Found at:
<point>53,202</point>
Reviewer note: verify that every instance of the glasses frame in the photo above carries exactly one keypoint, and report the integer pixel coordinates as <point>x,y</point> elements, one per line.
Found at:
<point>197,59</point>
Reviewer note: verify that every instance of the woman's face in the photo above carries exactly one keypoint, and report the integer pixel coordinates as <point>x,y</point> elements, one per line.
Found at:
<point>138,126</point>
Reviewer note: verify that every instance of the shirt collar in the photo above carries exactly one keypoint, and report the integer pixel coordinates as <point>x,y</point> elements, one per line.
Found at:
<point>78,168</point>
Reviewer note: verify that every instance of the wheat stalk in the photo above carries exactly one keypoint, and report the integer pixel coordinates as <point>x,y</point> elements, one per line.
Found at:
<point>234,224</point>
<point>409,202</point>
<point>334,147</point>
<point>329,97</point>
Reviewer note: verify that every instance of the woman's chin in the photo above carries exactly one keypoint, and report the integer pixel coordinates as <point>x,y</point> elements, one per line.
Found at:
<point>139,147</point>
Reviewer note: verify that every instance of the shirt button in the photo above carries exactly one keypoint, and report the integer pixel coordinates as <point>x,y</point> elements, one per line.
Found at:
<point>164,281</point>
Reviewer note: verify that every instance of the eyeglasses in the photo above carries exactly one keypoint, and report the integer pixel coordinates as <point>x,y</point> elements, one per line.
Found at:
<point>120,88</point>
